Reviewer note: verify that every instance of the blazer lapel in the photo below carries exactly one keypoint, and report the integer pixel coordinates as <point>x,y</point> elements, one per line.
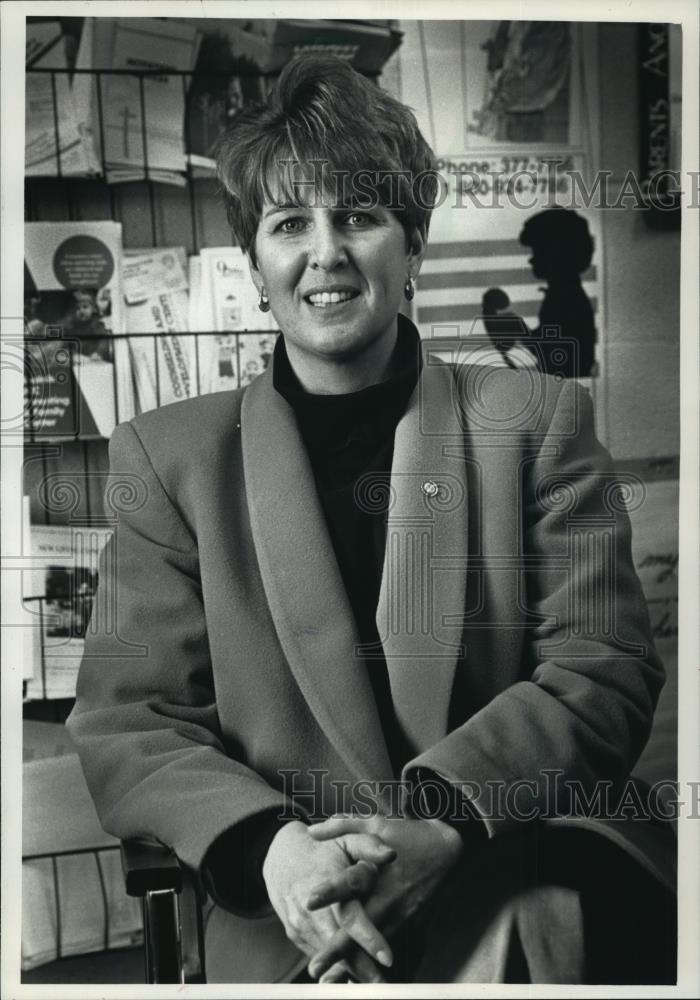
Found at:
<point>302,582</point>
<point>422,598</point>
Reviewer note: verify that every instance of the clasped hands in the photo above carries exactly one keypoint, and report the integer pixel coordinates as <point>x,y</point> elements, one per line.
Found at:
<point>342,887</point>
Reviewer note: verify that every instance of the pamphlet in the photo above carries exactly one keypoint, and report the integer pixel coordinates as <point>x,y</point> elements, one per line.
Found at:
<point>78,374</point>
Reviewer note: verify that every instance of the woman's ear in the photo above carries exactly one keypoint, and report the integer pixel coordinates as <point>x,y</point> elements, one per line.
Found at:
<point>416,250</point>
<point>254,272</point>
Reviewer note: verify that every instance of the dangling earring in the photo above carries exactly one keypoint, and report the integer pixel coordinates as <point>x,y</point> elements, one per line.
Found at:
<point>263,302</point>
<point>409,289</point>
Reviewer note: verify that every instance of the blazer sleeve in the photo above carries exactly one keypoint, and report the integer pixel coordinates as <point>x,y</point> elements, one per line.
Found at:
<point>145,720</point>
<point>593,675</point>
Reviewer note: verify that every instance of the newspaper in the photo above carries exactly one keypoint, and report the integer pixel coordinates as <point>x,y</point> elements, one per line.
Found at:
<point>73,894</point>
<point>58,593</point>
<point>85,880</point>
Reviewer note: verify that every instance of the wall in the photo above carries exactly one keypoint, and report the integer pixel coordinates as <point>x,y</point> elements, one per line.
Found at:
<point>639,392</point>
<point>639,405</point>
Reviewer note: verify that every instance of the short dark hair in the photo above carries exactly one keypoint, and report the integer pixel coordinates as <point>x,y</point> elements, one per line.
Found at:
<point>322,112</point>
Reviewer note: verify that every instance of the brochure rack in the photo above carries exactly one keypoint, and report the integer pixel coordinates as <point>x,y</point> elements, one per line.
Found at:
<point>152,214</point>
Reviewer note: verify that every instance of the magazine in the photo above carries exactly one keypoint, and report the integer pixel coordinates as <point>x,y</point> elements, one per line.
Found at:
<point>255,351</point>
<point>365,45</point>
<point>229,299</point>
<point>42,37</point>
<point>223,84</point>
<point>157,302</point>
<point>50,108</point>
<point>58,593</point>
<point>84,87</point>
<point>269,43</point>
<point>228,304</point>
<point>143,116</point>
<point>78,375</point>
<point>155,269</point>
<point>194,275</point>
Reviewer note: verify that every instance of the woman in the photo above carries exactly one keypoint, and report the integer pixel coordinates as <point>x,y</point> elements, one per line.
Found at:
<point>354,571</point>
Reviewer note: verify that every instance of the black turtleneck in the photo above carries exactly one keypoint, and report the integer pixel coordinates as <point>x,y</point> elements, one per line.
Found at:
<point>347,437</point>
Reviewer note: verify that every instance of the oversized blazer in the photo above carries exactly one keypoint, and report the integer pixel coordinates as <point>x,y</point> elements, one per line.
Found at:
<point>222,674</point>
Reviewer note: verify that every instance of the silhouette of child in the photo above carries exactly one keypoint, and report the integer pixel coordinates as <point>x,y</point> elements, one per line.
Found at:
<point>505,328</point>
<point>562,249</point>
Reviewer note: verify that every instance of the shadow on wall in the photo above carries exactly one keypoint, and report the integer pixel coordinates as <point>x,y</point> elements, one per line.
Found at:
<point>564,341</point>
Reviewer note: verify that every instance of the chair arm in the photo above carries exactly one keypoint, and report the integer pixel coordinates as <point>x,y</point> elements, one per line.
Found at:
<point>149,867</point>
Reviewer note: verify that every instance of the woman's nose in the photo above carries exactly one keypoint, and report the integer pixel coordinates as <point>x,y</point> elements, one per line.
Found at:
<point>327,248</point>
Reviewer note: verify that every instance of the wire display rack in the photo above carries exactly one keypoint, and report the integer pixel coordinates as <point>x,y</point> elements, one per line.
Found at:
<point>42,355</point>
<point>65,192</point>
<point>54,168</point>
<point>153,215</point>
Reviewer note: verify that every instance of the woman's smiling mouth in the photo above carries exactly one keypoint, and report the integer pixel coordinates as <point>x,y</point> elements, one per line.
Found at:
<point>321,300</point>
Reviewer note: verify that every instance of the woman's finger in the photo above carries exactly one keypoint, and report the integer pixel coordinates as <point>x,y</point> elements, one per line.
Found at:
<point>342,946</point>
<point>338,973</point>
<point>332,953</point>
<point>337,825</point>
<point>309,931</point>
<point>357,967</point>
<point>358,879</point>
<point>353,919</point>
<point>366,847</point>
<point>364,968</point>
<point>355,882</point>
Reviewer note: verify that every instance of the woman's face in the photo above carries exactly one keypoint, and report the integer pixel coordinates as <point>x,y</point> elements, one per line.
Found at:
<point>334,276</point>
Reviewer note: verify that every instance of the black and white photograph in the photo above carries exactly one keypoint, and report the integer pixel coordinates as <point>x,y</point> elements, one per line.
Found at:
<point>350,524</point>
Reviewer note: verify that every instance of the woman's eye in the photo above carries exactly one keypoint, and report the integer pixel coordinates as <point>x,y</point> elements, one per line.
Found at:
<point>291,226</point>
<point>358,219</point>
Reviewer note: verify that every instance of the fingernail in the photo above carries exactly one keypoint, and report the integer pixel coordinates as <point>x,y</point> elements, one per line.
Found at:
<point>385,957</point>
